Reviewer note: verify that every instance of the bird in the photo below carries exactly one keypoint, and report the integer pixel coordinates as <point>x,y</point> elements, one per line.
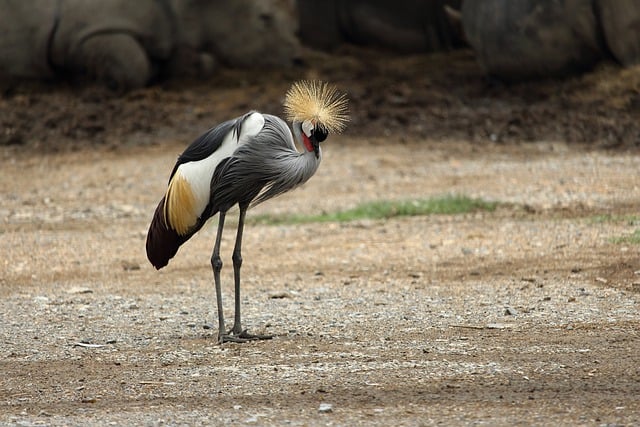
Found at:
<point>243,162</point>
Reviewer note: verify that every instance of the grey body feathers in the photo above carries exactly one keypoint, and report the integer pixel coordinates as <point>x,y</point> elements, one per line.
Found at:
<point>265,167</point>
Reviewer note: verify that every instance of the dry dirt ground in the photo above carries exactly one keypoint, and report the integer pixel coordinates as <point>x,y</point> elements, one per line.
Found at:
<point>526,315</point>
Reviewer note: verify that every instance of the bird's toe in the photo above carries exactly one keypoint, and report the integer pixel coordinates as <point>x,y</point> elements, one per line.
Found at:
<point>246,335</point>
<point>231,338</point>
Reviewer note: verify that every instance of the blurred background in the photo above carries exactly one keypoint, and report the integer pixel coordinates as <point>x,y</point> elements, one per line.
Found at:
<point>116,71</point>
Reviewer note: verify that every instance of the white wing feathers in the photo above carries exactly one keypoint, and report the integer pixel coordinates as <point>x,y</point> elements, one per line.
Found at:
<point>190,187</point>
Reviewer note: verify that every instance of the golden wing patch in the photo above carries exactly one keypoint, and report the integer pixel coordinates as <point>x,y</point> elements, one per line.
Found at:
<point>318,102</point>
<point>180,205</point>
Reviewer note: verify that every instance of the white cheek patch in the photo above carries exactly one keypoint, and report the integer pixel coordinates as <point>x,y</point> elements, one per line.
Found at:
<point>307,128</point>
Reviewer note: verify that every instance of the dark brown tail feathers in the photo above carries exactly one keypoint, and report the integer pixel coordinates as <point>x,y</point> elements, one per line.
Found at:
<point>162,242</point>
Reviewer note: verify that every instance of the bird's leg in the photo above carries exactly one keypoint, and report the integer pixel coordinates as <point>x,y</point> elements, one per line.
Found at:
<point>237,263</point>
<point>216,264</point>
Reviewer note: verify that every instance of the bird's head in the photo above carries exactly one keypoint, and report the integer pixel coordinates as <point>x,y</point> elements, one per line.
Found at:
<point>318,109</point>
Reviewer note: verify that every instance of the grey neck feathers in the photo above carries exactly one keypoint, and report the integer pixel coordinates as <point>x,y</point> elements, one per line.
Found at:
<point>280,162</point>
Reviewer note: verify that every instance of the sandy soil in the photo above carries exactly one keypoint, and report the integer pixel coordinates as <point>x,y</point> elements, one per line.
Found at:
<point>526,315</point>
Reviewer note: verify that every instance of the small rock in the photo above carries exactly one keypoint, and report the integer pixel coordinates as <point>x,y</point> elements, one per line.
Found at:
<point>79,290</point>
<point>279,295</point>
<point>127,210</point>
<point>510,311</point>
<point>87,344</point>
<point>497,326</point>
<point>325,408</point>
<point>130,266</point>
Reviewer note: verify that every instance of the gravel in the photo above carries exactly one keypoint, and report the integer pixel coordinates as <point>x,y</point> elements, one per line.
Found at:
<point>527,315</point>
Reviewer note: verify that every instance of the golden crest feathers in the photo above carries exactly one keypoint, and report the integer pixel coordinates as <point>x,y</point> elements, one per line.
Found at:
<point>318,102</point>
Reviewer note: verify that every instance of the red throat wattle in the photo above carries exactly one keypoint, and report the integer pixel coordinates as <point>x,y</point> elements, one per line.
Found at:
<point>307,142</point>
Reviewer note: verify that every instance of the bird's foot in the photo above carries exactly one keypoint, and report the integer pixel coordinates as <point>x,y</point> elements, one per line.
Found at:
<point>223,338</point>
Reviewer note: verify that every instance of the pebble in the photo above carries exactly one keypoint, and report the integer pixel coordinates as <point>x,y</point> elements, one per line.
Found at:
<point>279,295</point>
<point>79,290</point>
<point>510,311</point>
<point>498,326</point>
<point>130,266</point>
<point>325,408</point>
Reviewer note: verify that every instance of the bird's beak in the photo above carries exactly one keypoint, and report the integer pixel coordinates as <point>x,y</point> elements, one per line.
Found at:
<point>316,146</point>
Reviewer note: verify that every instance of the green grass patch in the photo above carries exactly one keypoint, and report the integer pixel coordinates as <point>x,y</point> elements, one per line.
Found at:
<point>629,219</point>
<point>443,205</point>
<point>633,238</point>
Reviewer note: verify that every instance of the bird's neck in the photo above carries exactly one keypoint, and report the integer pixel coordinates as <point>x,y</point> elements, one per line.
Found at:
<point>304,166</point>
<point>306,163</point>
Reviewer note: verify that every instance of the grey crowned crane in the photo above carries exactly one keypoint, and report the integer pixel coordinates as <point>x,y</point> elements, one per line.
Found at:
<point>243,162</point>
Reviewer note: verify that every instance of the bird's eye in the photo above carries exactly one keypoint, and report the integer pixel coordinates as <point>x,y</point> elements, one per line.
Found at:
<point>320,134</point>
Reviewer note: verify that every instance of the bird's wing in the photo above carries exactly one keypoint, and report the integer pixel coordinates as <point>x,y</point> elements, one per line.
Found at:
<point>206,144</point>
<point>184,208</point>
<point>189,190</point>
